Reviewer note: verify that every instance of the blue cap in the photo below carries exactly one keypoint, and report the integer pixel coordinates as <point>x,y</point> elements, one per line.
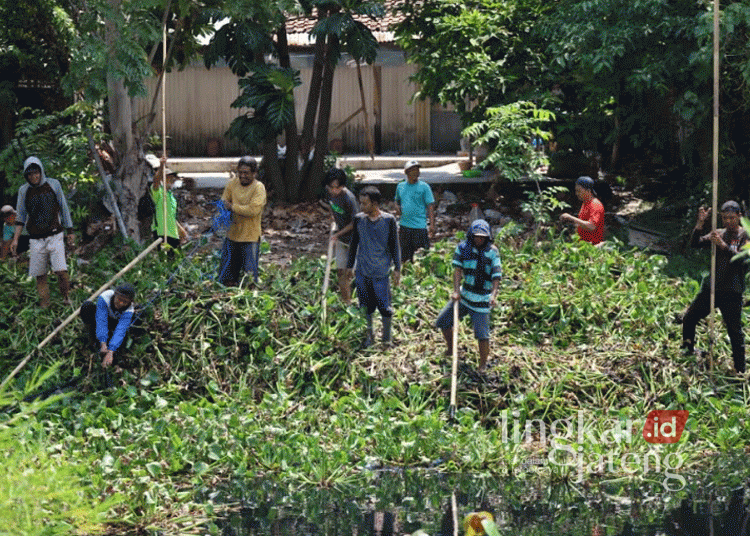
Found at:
<point>731,206</point>
<point>585,182</point>
<point>480,228</point>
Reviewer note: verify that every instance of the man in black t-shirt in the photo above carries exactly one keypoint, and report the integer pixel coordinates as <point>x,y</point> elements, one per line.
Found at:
<point>730,281</point>
<point>343,205</point>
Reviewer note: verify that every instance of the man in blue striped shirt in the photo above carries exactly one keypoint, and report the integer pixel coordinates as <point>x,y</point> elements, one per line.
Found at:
<point>476,262</point>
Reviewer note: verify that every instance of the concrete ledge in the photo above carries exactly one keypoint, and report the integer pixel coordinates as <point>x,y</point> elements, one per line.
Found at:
<point>446,174</point>
<point>358,162</point>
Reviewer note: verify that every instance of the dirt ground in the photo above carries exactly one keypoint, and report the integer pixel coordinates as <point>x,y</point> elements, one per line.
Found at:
<point>292,230</point>
<point>298,229</point>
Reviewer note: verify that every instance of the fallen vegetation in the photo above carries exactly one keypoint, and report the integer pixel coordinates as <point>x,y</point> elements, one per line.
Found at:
<point>246,383</point>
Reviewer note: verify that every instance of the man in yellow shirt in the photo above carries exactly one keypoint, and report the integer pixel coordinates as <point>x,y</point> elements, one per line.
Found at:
<point>245,197</point>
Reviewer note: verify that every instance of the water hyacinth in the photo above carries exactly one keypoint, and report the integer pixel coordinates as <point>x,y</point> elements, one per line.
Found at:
<point>248,382</point>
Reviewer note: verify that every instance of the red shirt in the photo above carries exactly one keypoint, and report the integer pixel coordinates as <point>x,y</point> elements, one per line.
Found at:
<point>593,212</point>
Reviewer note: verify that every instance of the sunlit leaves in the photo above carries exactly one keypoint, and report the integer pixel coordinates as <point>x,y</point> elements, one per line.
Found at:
<point>269,94</point>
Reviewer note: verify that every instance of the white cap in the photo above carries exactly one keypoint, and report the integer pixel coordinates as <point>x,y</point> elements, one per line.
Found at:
<point>7,209</point>
<point>411,164</point>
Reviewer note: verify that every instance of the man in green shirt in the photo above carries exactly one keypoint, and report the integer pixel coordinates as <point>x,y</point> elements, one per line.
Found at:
<point>176,233</point>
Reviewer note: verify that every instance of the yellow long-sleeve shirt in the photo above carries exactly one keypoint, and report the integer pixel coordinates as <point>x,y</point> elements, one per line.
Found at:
<point>247,209</point>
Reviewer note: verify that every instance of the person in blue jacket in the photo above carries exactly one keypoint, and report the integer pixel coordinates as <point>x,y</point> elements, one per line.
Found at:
<point>109,319</point>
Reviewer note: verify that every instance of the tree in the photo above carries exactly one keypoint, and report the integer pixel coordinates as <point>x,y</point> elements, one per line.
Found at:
<point>35,46</point>
<point>267,89</point>
<point>475,54</point>
<point>115,51</point>
<point>629,62</point>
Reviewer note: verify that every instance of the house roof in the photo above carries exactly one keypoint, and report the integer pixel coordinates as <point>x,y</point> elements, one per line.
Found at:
<point>298,30</point>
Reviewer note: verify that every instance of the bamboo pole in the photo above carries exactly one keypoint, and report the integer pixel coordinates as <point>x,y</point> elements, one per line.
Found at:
<point>328,272</point>
<point>715,200</point>
<point>115,207</point>
<point>75,313</point>
<point>454,367</point>
<point>454,513</point>
<point>164,128</point>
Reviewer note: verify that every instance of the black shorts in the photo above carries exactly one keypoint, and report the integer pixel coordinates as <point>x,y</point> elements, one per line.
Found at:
<point>411,240</point>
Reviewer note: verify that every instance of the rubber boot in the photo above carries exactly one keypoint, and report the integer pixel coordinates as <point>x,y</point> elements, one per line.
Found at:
<point>738,356</point>
<point>369,337</point>
<point>387,330</point>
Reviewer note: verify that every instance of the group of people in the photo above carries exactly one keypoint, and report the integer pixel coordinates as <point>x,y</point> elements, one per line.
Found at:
<point>367,241</point>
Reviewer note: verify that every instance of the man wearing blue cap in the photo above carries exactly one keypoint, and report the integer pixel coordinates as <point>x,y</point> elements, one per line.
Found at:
<point>590,220</point>
<point>730,281</point>
<point>476,262</point>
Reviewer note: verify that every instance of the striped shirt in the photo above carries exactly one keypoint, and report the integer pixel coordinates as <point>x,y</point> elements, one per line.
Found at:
<point>480,269</point>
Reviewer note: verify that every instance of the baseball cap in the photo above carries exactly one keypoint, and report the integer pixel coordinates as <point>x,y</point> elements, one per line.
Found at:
<point>7,209</point>
<point>410,164</point>
<point>480,228</point>
<point>585,182</point>
<point>731,206</point>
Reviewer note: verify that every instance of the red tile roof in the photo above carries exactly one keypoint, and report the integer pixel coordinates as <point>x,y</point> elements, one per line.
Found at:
<point>298,29</point>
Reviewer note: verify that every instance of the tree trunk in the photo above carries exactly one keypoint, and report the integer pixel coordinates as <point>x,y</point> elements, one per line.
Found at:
<point>315,175</point>
<point>291,170</point>
<point>272,177</point>
<point>313,98</point>
<point>132,168</point>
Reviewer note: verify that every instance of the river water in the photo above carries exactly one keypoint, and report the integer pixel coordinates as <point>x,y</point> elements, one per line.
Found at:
<point>399,502</point>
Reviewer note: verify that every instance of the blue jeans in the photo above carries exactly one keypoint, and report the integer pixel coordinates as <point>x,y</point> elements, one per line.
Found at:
<point>238,258</point>
<point>481,321</point>
<point>374,293</point>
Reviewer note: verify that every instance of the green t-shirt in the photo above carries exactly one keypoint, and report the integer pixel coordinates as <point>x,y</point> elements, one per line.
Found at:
<point>8,231</point>
<point>158,225</point>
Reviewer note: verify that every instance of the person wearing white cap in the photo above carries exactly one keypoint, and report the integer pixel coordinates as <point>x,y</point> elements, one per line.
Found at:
<point>414,205</point>
<point>176,233</point>
<point>9,220</point>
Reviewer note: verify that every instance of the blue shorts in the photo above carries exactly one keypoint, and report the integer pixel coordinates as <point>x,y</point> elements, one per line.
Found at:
<point>374,293</point>
<point>238,258</point>
<point>481,321</point>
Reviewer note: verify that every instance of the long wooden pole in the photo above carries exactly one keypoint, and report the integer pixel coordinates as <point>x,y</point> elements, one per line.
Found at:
<point>327,276</point>
<point>454,367</point>
<point>103,174</point>
<point>164,127</point>
<point>715,201</point>
<point>75,313</point>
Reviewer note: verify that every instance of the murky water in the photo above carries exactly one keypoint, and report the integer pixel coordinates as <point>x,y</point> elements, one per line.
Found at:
<point>402,502</point>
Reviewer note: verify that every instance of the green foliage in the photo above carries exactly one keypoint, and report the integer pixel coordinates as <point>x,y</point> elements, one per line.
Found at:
<point>58,139</point>
<point>542,203</point>
<point>37,481</point>
<point>508,130</point>
<point>269,93</point>
<point>132,27</point>
<point>473,54</point>
<point>247,383</point>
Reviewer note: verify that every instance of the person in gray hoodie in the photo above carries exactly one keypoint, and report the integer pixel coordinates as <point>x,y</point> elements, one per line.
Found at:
<point>43,211</point>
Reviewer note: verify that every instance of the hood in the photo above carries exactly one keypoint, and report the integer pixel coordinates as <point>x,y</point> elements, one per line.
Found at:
<point>34,160</point>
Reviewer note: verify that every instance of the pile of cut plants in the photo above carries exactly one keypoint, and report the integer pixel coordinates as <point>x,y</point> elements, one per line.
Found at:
<point>243,383</point>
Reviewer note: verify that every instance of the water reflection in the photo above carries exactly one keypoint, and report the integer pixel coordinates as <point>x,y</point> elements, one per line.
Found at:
<point>400,503</point>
